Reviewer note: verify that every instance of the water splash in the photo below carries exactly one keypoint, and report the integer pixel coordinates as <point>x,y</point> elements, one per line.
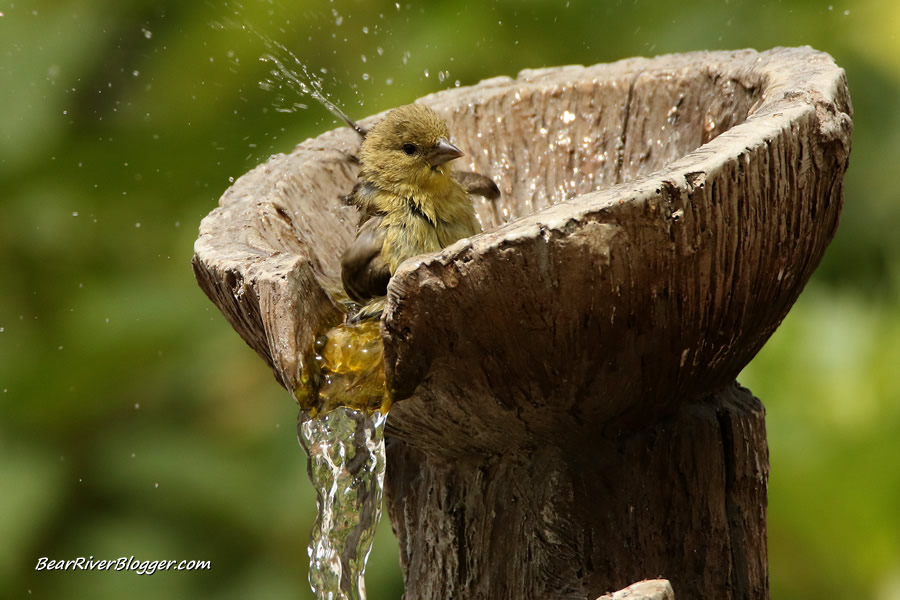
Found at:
<point>347,369</point>
<point>346,466</point>
<point>299,77</point>
<point>343,412</point>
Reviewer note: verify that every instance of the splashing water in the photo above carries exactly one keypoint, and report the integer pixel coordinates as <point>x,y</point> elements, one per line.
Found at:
<point>341,427</point>
<point>300,78</point>
<point>346,466</point>
<point>347,369</point>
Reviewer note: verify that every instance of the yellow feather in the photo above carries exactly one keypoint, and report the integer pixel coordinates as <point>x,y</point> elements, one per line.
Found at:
<point>406,182</point>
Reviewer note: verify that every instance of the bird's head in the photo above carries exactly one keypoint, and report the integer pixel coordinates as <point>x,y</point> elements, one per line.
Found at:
<point>409,147</point>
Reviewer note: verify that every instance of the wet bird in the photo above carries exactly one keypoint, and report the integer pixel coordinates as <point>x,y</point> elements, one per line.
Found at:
<point>410,200</point>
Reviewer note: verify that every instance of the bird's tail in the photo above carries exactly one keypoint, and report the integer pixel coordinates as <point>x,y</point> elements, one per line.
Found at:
<point>336,111</point>
<point>370,310</point>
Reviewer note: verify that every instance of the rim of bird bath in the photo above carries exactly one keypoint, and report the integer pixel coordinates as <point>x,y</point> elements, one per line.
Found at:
<point>617,168</point>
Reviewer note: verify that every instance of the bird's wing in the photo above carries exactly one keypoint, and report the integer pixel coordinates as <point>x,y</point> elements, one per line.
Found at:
<point>363,197</point>
<point>477,184</point>
<point>364,272</point>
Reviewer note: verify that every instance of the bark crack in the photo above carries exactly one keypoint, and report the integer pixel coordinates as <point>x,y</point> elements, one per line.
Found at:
<point>620,155</point>
<point>736,537</point>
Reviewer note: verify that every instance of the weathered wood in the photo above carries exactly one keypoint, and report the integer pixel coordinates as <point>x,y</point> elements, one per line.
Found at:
<point>566,420</point>
<point>683,497</point>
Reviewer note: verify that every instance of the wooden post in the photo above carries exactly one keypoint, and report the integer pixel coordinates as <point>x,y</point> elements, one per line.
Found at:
<point>567,420</point>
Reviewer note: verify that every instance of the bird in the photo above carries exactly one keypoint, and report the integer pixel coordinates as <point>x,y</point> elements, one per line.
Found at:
<point>474,183</point>
<point>409,199</point>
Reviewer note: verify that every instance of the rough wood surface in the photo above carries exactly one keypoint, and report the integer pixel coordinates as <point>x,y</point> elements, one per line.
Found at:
<point>683,498</point>
<point>565,419</point>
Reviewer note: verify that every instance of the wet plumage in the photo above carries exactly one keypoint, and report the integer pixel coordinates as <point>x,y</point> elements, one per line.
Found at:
<point>410,202</point>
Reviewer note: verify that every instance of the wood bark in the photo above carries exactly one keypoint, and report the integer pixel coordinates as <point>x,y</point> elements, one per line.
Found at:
<point>566,420</point>
<point>683,498</point>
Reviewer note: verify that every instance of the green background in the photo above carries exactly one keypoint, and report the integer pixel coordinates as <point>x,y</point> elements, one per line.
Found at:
<point>134,421</point>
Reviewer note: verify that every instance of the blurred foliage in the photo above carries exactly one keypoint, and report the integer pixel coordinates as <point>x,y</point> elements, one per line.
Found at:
<point>133,421</point>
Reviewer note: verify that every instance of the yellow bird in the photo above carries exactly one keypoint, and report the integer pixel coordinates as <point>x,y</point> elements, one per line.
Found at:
<point>410,202</point>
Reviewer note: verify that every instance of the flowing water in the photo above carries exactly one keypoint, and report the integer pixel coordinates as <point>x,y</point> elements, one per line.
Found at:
<point>346,466</point>
<point>341,427</point>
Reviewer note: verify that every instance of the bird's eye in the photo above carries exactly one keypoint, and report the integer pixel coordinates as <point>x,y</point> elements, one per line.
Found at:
<point>409,149</point>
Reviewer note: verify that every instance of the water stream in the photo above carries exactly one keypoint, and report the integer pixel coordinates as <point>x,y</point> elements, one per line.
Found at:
<point>343,412</point>
<point>346,466</point>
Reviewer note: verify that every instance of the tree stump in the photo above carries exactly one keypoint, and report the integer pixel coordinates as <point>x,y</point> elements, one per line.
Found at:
<point>566,417</point>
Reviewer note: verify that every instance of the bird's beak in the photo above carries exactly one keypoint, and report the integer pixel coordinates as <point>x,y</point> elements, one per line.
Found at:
<point>443,152</point>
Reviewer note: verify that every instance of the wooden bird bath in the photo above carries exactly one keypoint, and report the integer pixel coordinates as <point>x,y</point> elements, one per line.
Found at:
<point>566,417</point>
